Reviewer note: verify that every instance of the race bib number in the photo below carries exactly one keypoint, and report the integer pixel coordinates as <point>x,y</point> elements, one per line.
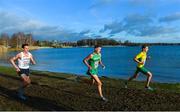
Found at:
<point>26,62</point>
<point>96,64</point>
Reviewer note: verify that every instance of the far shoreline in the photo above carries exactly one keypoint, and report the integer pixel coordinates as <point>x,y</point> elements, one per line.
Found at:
<point>105,46</point>
<point>85,75</point>
<point>30,48</point>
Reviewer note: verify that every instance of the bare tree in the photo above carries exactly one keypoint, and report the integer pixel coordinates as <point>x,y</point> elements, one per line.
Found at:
<point>4,39</point>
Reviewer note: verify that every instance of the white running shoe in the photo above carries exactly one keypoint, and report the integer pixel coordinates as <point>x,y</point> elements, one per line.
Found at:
<point>104,99</point>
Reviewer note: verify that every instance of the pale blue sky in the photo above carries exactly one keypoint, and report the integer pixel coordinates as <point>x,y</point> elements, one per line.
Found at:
<point>71,20</point>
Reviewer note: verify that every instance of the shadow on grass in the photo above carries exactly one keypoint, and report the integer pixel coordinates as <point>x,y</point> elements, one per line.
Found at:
<point>9,77</point>
<point>36,103</point>
<point>86,81</point>
<point>54,77</point>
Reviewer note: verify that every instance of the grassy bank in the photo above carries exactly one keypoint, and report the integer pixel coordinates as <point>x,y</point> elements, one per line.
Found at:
<point>59,91</point>
<point>19,49</point>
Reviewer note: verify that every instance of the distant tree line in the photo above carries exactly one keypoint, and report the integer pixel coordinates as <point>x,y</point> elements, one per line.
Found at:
<point>105,41</point>
<point>128,43</point>
<point>55,43</point>
<point>84,42</point>
<point>102,41</point>
<point>16,40</point>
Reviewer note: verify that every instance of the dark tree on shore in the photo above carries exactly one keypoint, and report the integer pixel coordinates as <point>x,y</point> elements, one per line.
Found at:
<point>20,38</point>
<point>4,39</point>
<point>92,42</point>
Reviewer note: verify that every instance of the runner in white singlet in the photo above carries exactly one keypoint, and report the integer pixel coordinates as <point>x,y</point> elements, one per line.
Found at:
<point>24,58</point>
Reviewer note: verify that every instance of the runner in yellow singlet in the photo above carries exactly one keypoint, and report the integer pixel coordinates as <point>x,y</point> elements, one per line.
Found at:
<point>141,59</point>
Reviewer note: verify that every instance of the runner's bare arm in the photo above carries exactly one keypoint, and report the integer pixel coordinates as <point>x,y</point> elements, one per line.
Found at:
<point>136,60</point>
<point>101,63</point>
<point>13,59</point>
<point>32,60</point>
<point>86,59</point>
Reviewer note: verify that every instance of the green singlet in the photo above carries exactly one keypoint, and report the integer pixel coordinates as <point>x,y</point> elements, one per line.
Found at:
<point>94,63</point>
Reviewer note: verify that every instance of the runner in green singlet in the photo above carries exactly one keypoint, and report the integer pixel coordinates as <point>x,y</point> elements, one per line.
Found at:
<point>92,61</point>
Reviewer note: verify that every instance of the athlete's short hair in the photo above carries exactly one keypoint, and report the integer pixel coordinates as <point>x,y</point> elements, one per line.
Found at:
<point>96,46</point>
<point>144,46</point>
<point>24,45</point>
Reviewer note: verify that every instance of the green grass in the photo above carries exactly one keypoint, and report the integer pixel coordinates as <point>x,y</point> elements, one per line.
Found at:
<point>7,70</point>
<point>60,91</point>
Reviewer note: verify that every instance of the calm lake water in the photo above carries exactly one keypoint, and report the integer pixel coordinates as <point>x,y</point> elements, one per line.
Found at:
<point>164,62</point>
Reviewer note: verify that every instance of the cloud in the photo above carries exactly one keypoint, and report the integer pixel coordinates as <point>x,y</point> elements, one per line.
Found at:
<point>136,19</point>
<point>138,25</point>
<point>154,31</point>
<point>99,3</point>
<point>53,33</point>
<point>96,36</point>
<point>114,27</point>
<point>170,18</point>
<point>142,2</point>
<point>12,23</point>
